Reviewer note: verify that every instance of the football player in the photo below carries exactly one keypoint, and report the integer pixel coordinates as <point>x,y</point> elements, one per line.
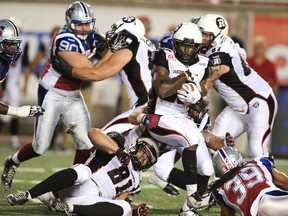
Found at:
<point>173,127</point>
<point>60,95</point>
<point>10,40</point>
<point>84,191</point>
<point>252,106</point>
<point>254,187</point>
<point>129,59</point>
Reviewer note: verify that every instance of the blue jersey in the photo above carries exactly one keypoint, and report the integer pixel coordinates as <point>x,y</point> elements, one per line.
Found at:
<point>65,41</point>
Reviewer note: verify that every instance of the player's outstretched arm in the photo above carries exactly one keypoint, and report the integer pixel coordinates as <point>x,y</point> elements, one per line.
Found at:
<point>101,141</point>
<point>24,111</point>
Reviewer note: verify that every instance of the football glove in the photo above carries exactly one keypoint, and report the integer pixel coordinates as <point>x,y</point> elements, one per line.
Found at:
<point>61,66</point>
<point>229,140</point>
<point>123,157</point>
<point>149,120</point>
<point>140,210</point>
<point>36,111</point>
<point>189,95</point>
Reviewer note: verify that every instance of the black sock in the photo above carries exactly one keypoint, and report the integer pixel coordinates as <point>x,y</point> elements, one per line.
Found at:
<point>177,178</point>
<point>189,161</point>
<point>57,181</point>
<point>100,208</point>
<point>202,184</point>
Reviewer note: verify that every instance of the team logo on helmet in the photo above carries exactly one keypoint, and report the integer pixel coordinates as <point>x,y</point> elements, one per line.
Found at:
<point>70,11</point>
<point>128,19</point>
<point>1,30</point>
<point>220,22</point>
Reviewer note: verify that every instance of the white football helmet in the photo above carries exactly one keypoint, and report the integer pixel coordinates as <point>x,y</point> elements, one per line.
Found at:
<point>226,159</point>
<point>188,34</point>
<point>149,148</point>
<point>215,25</point>
<point>80,13</point>
<point>10,40</point>
<point>129,23</point>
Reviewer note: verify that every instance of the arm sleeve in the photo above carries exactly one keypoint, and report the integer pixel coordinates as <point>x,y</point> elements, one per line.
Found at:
<point>220,58</point>
<point>159,58</point>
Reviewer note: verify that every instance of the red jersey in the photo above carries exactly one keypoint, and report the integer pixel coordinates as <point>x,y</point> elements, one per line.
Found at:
<point>243,192</point>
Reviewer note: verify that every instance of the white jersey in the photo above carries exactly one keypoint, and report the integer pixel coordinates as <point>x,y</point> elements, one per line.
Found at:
<point>65,41</point>
<point>167,59</point>
<point>114,179</point>
<point>241,84</point>
<point>136,74</point>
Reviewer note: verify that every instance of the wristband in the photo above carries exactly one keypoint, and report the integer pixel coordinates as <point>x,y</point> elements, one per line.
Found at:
<point>186,74</point>
<point>12,111</point>
<point>19,111</point>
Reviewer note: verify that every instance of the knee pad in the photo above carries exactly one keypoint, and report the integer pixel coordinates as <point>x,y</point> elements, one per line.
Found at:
<point>205,168</point>
<point>162,172</point>
<point>83,173</point>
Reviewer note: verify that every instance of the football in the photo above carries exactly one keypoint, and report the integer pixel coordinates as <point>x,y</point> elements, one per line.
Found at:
<point>185,86</point>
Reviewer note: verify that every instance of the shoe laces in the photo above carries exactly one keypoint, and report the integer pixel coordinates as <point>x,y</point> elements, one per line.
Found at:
<point>59,206</point>
<point>21,195</point>
<point>11,168</point>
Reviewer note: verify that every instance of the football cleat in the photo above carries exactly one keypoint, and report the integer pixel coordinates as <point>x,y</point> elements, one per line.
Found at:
<point>194,201</point>
<point>46,198</point>
<point>9,171</point>
<point>56,205</point>
<point>18,198</point>
<point>170,190</point>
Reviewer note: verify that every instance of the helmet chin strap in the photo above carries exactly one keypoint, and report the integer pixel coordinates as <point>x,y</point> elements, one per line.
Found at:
<point>214,39</point>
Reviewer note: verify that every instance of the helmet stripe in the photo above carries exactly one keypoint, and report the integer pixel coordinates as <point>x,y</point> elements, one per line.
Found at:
<point>225,158</point>
<point>14,27</point>
<point>84,6</point>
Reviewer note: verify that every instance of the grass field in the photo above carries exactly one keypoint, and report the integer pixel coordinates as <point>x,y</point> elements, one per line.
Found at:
<point>35,170</point>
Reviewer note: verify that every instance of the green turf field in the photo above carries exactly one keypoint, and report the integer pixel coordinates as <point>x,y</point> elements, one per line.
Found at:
<point>33,171</point>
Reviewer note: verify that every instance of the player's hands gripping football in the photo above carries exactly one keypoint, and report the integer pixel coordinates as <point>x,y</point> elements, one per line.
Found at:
<point>123,157</point>
<point>61,66</point>
<point>189,93</point>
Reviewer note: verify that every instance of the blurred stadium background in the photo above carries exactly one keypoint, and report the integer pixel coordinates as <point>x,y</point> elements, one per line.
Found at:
<point>250,18</point>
